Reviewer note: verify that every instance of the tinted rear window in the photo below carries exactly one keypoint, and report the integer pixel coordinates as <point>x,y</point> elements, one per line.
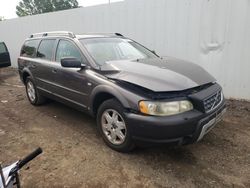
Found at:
<point>45,50</point>
<point>3,48</point>
<point>29,48</point>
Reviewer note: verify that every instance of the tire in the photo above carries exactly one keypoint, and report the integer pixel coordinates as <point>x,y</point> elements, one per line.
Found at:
<point>115,126</point>
<point>33,94</point>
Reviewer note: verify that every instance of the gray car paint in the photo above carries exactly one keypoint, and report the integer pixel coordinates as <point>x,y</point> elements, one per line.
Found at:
<point>80,87</point>
<point>158,74</point>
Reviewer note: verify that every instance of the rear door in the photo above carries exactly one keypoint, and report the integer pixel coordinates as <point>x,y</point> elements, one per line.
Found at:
<point>43,66</point>
<point>4,56</point>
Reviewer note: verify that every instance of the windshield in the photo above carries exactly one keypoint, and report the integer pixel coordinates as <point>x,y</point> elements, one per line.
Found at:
<point>111,49</point>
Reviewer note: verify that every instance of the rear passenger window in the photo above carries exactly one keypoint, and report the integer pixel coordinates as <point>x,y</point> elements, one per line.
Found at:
<point>29,48</point>
<point>67,49</point>
<point>45,50</point>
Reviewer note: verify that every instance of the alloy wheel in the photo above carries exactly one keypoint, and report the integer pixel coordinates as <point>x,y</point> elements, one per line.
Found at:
<point>31,91</point>
<point>113,126</point>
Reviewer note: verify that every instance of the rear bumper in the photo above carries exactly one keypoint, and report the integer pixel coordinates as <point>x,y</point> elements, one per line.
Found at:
<point>180,129</point>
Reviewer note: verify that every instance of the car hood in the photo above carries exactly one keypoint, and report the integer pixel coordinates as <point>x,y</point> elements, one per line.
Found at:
<point>168,74</point>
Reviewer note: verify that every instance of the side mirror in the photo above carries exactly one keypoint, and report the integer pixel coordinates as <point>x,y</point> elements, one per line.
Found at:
<point>71,62</point>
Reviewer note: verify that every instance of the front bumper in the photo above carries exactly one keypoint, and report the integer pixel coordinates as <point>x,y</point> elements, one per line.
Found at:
<point>179,129</point>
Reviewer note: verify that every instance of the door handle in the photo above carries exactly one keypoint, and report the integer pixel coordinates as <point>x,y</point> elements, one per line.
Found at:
<point>54,70</point>
<point>33,66</point>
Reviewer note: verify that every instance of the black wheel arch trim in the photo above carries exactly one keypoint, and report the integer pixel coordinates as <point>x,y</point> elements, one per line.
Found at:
<point>26,71</point>
<point>108,90</point>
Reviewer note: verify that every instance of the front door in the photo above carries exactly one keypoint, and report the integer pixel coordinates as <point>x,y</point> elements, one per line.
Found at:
<point>72,83</point>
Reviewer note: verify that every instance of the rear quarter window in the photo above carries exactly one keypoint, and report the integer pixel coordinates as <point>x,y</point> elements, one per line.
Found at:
<point>29,48</point>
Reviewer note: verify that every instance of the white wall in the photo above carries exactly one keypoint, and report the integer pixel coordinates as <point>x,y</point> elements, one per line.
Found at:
<point>212,33</point>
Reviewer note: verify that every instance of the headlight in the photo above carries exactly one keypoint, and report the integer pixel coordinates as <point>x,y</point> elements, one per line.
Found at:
<point>165,108</point>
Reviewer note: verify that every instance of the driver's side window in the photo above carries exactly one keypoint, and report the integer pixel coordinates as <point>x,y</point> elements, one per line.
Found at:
<point>67,49</point>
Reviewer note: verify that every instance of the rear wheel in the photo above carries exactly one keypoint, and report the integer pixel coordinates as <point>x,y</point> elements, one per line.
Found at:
<point>112,126</point>
<point>33,94</point>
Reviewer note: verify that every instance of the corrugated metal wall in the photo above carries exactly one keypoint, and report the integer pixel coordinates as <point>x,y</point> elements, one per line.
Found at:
<point>212,33</point>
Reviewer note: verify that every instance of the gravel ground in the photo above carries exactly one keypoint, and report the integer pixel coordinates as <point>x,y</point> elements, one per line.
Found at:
<point>75,155</point>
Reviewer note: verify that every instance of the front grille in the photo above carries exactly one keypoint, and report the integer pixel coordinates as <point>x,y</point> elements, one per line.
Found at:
<point>213,101</point>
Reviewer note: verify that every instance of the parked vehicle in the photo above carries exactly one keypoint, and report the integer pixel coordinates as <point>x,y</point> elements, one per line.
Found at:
<point>135,95</point>
<point>4,56</point>
<point>9,176</point>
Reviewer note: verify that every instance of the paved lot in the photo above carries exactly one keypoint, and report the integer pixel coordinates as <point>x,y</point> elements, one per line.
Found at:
<point>75,155</point>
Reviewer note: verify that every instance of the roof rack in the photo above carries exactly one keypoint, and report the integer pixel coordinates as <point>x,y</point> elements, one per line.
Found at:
<point>109,34</point>
<point>54,33</point>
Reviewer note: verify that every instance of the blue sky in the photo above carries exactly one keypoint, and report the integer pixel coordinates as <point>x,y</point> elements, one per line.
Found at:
<point>8,7</point>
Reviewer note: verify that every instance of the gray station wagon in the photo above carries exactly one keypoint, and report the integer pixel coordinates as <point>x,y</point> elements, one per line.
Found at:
<point>135,95</point>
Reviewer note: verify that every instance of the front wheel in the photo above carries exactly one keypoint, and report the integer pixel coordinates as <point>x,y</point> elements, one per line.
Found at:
<point>112,126</point>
